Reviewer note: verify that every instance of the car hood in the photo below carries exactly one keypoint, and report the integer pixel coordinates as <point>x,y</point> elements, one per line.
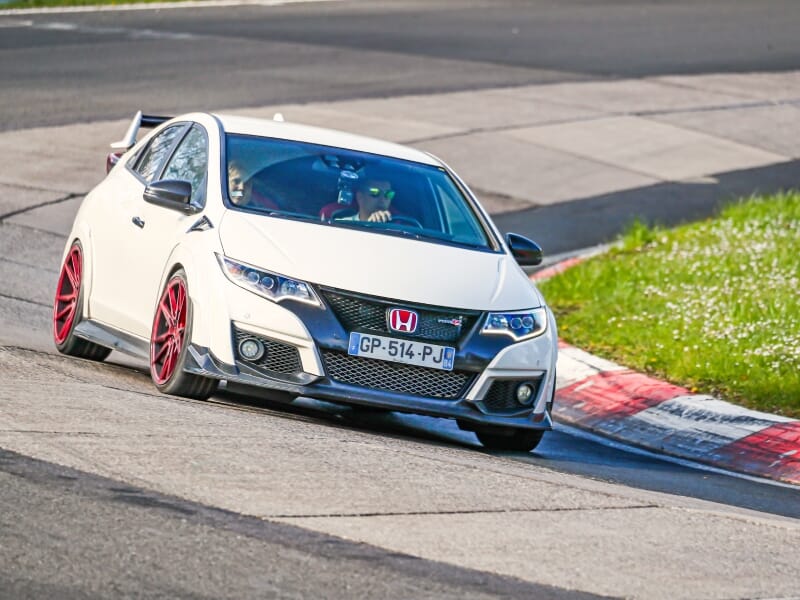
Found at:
<point>378,265</point>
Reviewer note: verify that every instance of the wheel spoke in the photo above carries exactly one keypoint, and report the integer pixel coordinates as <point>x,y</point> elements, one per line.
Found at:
<point>162,337</point>
<point>160,353</point>
<point>172,301</point>
<point>70,275</point>
<point>67,297</point>
<point>73,279</point>
<point>65,311</point>
<point>61,330</point>
<point>162,370</point>
<point>163,310</point>
<point>76,266</point>
<point>169,362</point>
<point>181,309</point>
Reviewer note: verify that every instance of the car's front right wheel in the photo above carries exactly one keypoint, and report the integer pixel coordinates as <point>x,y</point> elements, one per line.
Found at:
<point>169,343</point>
<point>522,440</point>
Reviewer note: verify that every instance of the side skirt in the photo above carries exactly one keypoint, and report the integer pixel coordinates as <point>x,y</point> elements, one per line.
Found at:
<point>115,339</point>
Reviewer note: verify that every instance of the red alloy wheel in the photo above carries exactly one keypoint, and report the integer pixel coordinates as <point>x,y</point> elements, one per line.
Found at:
<point>169,327</point>
<point>68,289</point>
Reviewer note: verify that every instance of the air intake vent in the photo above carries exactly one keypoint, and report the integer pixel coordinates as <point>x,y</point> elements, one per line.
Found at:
<point>397,378</point>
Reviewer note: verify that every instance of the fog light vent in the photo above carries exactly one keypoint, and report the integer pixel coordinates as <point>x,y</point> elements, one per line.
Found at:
<point>524,393</point>
<point>506,396</point>
<point>251,349</point>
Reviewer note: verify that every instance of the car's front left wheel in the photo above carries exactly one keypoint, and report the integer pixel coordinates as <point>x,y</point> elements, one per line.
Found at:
<point>68,309</point>
<point>169,343</point>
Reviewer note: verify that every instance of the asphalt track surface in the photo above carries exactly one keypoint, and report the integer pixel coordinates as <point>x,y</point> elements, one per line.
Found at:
<point>65,68</point>
<point>72,534</point>
<point>145,554</point>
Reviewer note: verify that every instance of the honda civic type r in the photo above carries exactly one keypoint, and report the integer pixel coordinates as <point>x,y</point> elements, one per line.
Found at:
<point>308,262</point>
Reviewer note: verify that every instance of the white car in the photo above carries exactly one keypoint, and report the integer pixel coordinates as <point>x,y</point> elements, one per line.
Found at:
<point>309,262</point>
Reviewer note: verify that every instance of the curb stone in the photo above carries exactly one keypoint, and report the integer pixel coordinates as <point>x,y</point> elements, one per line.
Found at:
<point>613,401</point>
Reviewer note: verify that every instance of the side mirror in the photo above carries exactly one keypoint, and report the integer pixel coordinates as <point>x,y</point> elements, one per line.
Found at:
<point>171,193</point>
<point>526,252</point>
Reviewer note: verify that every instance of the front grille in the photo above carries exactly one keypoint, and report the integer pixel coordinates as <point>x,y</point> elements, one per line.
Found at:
<point>394,377</point>
<point>278,357</point>
<point>361,313</point>
<point>502,395</point>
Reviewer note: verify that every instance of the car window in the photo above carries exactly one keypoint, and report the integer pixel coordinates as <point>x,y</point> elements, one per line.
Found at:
<point>459,221</point>
<point>190,162</point>
<point>346,188</point>
<point>157,150</point>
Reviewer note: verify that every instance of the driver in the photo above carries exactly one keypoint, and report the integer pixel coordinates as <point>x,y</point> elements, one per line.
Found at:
<point>373,198</point>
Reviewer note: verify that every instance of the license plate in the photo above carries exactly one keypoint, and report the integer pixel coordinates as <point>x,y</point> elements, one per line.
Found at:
<point>402,351</point>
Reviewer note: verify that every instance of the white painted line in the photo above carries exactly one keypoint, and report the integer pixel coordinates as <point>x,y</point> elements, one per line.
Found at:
<point>57,26</point>
<point>13,24</point>
<point>135,34</point>
<point>151,6</point>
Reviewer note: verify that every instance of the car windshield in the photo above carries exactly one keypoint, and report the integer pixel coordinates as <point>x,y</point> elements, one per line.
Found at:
<point>345,188</point>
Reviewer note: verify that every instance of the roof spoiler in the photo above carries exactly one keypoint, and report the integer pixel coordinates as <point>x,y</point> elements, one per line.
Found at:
<point>139,120</point>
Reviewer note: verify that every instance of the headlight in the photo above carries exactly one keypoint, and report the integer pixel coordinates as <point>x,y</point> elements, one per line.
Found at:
<point>520,325</point>
<point>269,285</point>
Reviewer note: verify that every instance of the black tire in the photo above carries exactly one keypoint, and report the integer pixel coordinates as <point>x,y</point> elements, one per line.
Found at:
<point>64,337</point>
<point>520,440</point>
<point>177,382</point>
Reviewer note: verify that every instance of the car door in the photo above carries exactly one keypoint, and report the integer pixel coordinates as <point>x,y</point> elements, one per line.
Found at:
<point>163,228</point>
<point>117,237</point>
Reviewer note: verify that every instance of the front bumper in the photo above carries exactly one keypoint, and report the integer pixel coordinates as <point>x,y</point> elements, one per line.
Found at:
<point>201,361</point>
<point>489,367</point>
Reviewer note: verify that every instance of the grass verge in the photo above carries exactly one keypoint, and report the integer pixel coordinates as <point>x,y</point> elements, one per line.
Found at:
<point>713,306</point>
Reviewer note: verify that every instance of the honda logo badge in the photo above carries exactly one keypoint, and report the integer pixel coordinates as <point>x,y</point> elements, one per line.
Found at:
<point>403,320</point>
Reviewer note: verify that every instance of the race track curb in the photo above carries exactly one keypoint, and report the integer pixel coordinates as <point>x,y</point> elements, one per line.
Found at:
<point>610,400</point>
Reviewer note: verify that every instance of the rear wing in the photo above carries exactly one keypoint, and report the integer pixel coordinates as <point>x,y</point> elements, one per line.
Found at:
<point>139,120</point>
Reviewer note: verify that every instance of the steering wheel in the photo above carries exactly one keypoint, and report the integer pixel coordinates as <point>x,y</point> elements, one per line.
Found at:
<point>403,220</point>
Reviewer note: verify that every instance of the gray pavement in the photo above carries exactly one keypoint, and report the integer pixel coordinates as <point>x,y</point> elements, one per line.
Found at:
<point>435,501</point>
<point>168,547</point>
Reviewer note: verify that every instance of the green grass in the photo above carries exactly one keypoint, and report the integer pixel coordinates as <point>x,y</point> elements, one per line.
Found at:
<point>45,3</point>
<point>713,306</point>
